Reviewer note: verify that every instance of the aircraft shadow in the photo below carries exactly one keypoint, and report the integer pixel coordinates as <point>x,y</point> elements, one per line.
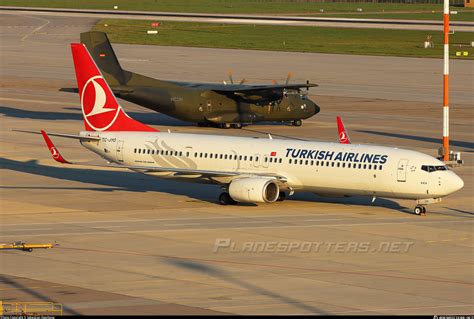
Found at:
<point>151,118</point>
<point>468,145</point>
<point>114,180</point>
<point>136,182</point>
<point>225,276</point>
<point>353,200</point>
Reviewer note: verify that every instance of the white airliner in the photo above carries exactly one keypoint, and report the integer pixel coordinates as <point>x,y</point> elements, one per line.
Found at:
<point>254,170</point>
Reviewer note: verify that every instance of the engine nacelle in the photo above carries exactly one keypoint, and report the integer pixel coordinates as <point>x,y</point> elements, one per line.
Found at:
<point>254,190</point>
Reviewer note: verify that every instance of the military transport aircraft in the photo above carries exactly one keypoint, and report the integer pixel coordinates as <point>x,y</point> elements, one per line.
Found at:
<point>224,105</point>
<point>248,169</point>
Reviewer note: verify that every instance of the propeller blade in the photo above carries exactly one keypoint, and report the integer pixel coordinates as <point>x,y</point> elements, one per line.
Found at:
<point>242,81</point>
<point>274,82</point>
<point>288,78</point>
<point>230,77</point>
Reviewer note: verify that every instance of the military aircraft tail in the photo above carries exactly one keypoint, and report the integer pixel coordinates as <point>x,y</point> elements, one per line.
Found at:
<point>98,45</point>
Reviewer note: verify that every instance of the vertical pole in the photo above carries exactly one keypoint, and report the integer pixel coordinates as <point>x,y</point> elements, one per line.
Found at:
<point>446,83</point>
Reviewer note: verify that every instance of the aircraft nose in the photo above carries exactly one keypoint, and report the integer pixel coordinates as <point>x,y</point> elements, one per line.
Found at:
<point>455,183</point>
<point>316,109</point>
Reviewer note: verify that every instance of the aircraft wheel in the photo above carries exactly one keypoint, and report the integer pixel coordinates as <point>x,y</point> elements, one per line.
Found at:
<point>419,210</point>
<point>281,197</point>
<point>237,125</point>
<point>225,125</point>
<point>297,123</point>
<point>225,199</point>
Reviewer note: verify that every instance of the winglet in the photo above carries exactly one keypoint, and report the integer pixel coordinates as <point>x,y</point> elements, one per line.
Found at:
<point>343,136</point>
<point>54,151</point>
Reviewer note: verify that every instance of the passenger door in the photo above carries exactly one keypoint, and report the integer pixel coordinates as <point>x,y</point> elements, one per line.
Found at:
<point>119,151</point>
<point>402,170</point>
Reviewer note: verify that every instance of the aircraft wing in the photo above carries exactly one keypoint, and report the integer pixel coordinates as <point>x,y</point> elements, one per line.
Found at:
<point>258,93</point>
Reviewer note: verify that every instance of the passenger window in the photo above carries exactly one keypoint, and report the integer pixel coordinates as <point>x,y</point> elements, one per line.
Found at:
<point>281,160</point>
<point>380,167</point>
<point>290,160</point>
<point>365,166</point>
<point>332,164</point>
<point>327,163</point>
<point>250,159</point>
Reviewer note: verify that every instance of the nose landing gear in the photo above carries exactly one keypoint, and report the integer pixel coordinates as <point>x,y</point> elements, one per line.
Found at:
<point>420,210</point>
<point>297,123</point>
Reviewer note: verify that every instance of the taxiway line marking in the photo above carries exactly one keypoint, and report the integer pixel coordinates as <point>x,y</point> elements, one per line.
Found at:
<point>244,227</point>
<point>164,219</point>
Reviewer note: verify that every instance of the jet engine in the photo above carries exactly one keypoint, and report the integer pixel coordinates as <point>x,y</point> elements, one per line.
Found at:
<point>254,190</point>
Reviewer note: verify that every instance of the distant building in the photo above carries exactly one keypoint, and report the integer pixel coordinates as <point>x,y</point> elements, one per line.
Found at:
<point>469,3</point>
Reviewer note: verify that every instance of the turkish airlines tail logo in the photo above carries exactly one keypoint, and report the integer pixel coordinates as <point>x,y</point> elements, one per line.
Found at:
<point>343,137</point>
<point>99,106</point>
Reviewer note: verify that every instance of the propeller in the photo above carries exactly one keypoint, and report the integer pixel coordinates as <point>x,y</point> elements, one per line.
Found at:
<point>231,79</point>
<point>288,77</point>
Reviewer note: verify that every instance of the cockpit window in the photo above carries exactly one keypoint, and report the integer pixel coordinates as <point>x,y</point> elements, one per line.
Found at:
<point>432,168</point>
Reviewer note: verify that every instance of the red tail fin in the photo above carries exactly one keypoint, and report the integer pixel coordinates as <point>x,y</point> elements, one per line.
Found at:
<point>100,108</point>
<point>343,136</point>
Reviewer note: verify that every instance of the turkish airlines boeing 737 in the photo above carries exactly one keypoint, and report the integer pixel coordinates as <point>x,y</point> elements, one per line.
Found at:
<point>249,169</point>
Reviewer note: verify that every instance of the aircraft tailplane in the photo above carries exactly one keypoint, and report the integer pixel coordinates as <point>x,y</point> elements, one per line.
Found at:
<point>98,45</point>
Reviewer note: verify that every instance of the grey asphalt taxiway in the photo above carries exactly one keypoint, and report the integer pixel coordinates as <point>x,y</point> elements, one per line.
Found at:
<point>132,244</point>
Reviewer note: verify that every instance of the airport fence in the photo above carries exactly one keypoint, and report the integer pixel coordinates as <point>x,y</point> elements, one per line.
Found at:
<point>8,308</point>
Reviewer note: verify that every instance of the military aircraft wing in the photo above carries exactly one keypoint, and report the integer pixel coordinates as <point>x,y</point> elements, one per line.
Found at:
<point>256,93</point>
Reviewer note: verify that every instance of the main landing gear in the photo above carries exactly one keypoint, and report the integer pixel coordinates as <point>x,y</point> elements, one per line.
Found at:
<point>225,199</point>
<point>420,210</point>
<point>221,125</point>
<point>281,197</point>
